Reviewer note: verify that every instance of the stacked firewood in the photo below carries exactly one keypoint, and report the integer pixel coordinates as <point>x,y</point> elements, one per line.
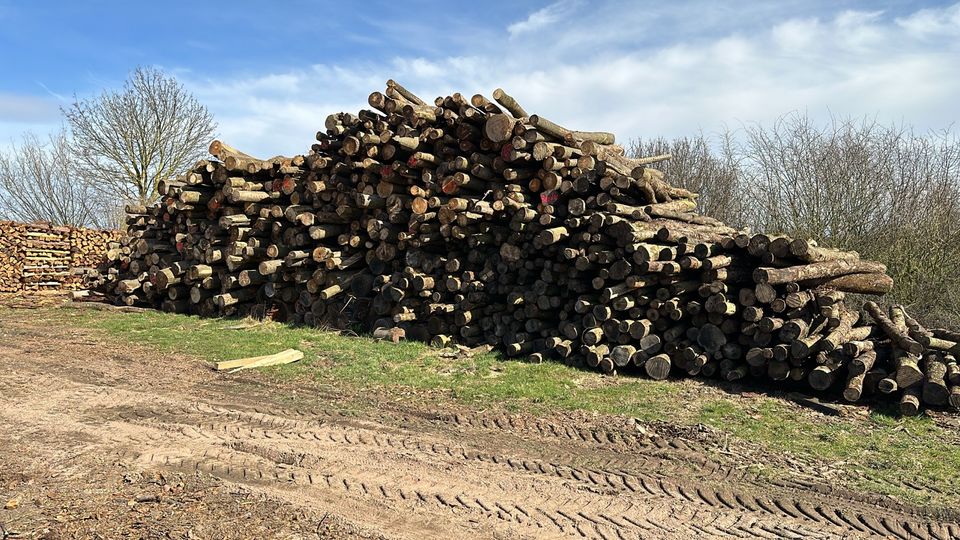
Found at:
<point>470,221</point>
<point>43,257</point>
<point>88,247</point>
<point>88,254</point>
<point>11,262</point>
<point>45,252</point>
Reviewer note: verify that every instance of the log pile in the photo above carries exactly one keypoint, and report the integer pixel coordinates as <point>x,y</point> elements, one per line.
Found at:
<point>43,257</point>
<point>45,252</point>
<point>471,221</point>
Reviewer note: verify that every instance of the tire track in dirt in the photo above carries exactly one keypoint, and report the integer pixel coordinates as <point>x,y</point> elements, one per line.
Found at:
<point>594,519</point>
<point>278,444</point>
<point>684,452</point>
<point>619,442</point>
<point>601,480</point>
<point>415,474</point>
<point>644,455</point>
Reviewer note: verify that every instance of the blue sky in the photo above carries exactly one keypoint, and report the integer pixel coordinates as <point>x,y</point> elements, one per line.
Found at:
<point>271,71</point>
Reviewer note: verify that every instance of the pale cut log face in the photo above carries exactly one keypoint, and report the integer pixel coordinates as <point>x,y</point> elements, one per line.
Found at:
<point>474,222</point>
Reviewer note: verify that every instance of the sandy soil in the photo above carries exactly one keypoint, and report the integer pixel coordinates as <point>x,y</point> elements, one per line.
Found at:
<point>101,441</point>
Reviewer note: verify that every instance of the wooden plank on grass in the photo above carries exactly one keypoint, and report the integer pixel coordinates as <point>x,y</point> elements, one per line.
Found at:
<point>284,357</point>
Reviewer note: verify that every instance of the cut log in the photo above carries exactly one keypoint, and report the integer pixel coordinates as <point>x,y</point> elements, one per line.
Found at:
<point>658,367</point>
<point>818,270</point>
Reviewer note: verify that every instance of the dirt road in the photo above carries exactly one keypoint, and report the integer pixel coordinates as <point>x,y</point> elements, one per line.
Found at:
<point>105,442</point>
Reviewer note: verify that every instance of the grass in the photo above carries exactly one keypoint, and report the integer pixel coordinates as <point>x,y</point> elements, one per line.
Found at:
<point>875,451</point>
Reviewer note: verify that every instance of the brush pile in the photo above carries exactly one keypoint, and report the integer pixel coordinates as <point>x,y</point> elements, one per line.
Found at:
<point>471,221</point>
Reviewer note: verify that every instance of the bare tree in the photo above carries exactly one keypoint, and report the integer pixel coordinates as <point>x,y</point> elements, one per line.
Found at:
<point>125,141</point>
<point>39,182</point>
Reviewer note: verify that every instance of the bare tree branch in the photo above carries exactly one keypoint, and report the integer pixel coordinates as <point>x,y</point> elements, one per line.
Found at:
<point>128,140</point>
<point>885,191</point>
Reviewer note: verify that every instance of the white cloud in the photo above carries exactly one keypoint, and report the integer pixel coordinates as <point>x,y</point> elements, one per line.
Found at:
<point>860,31</point>
<point>542,18</point>
<point>59,97</point>
<point>633,76</point>
<point>24,113</point>
<point>421,68</point>
<point>796,34</point>
<point>933,22</point>
<point>537,20</point>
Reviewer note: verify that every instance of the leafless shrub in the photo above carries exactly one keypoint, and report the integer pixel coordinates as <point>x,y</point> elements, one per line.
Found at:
<point>885,191</point>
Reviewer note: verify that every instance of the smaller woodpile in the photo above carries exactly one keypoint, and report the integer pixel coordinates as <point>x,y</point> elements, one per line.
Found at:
<point>88,255</point>
<point>11,260</point>
<point>471,221</point>
<point>44,257</point>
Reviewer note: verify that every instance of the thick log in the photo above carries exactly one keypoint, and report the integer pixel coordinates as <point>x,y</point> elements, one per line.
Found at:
<point>853,390</point>
<point>808,251</point>
<point>499,127</point>
<point>910,402</point>
<point>876,284</point>
<point>935,390</point>
<point>818,270</point>
<point>658,367</point>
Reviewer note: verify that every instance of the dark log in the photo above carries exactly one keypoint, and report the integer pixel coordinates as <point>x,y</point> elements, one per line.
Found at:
<point>910,402</point>
<point>658,367</point>
<point>935,389</point>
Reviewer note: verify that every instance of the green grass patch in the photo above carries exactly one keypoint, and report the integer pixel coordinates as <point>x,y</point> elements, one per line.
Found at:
<point>879,450</point>
<point>884,450</point>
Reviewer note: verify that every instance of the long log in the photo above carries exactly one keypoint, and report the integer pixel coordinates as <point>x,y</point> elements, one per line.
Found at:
<point>818,270</point>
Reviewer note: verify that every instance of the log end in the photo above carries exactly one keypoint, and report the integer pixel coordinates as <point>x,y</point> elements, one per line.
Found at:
<point>499,127</point>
